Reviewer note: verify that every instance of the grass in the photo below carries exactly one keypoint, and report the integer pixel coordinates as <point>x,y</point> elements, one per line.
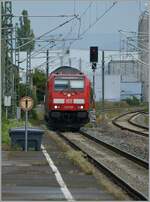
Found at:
<point>6,126</point>
<point>78,158</point>
<point>146,120</point>
<point>115,109</point>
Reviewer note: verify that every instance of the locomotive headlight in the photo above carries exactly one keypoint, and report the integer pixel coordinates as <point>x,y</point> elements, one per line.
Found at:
<point>55,106</point>
<point>81,106</point>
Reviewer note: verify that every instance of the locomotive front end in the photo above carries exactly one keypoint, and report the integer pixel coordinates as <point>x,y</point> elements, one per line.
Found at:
<point>69,100</point>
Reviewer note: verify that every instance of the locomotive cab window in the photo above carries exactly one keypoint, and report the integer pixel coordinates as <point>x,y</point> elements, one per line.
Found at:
<point>61,84</point>
<point>76,84</point>
<point>68,84</point>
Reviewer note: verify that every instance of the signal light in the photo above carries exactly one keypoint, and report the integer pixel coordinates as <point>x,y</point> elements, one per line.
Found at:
<point>94,54</point>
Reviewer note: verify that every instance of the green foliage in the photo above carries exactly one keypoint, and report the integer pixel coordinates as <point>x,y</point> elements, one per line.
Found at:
<point>133,101</point>
<point>25,33</point>
<point>24,90</point>
<point>6,125</point>
<point>39,80</point>
<point>21,90</point>
<point>34,115</point>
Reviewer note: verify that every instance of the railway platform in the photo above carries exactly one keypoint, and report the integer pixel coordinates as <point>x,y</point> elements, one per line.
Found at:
<point>47,175</point>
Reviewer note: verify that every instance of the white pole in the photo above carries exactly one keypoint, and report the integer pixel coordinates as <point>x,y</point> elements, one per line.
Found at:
<point>26,132</point>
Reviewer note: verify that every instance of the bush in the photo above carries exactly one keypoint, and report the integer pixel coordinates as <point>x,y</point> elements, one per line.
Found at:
<point>6,125</point>
<point>34,114</point>
<point>133,101</point>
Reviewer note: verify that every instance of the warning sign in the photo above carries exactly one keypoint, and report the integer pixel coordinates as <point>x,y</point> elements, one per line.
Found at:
<point>26,103</point>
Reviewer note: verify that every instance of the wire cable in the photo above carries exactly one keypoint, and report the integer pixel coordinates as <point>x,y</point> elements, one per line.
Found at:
<point>99,18</point>
<point>55,28</point>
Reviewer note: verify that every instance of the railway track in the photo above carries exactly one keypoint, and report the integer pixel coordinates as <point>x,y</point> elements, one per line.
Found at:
<point>125,122</point>
<point>129,156</point>
<point>134,122</point>
<point>104,156</point>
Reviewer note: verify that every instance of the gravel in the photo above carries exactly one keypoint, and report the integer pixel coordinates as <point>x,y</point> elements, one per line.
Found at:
<point>124,140</point>
<point>125,169</point>
<point>140,119</point>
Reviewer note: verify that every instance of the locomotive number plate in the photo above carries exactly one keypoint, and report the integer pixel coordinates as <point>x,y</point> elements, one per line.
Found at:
<point>68,101</point>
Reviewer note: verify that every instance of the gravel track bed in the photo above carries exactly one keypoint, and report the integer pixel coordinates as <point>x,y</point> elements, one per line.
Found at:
<point>130,172</point>
<point>124,140</point>
<point>140,119</point>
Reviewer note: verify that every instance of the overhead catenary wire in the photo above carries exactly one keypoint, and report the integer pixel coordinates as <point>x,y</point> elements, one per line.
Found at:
<point>55,28</point>
<point>79,20</point>
<point>140,61</point>
<point>139,48</point>
<point>99,18</point>
<point>43,63</point>
<point>40,16</point>
<point>35,53</point>
<point>43,47</point>
<point>131,39</point>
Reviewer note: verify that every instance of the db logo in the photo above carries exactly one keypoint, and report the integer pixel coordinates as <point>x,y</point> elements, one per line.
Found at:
<point>68,101</point>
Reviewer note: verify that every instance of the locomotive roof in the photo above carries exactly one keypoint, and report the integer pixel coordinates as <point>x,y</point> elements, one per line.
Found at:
<point>66,70</point>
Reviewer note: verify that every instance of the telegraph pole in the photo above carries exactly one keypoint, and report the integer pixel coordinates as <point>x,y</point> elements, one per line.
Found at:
<point>103,80</point>
<point>47,63</point>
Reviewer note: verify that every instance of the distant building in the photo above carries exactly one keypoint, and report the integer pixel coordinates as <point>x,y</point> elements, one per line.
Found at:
<point>116,89</point>
<point>143,51</point>
<point>130,89</point>
<point>129,70</point>
<point>111,87</point>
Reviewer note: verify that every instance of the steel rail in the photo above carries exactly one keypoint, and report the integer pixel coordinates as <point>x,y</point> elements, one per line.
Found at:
<point>128,188</point>
<point>114,121</point>
<point>129,156</point>
<point>136,124</point>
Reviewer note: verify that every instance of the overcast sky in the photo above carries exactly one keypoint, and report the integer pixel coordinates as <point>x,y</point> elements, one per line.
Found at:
<point>123,16</point>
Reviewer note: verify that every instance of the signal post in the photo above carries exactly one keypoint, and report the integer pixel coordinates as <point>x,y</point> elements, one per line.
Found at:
<point>94,60</point>
<point>26,104</point>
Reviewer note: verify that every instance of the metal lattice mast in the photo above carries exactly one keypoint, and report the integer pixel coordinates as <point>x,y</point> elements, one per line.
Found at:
<point>8,66</point>
<point>28,72</point>
<point>3,53</point>
<point>17,67</point>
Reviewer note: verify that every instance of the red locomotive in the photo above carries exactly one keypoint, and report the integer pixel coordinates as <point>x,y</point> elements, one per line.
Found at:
<point>67,98</point>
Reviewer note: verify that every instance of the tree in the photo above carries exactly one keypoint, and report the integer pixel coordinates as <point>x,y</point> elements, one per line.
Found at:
<point>39,80</point>
<point>25,33</point>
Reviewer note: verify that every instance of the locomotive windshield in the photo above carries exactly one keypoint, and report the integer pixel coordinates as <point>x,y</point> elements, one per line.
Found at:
<point>69,84</point>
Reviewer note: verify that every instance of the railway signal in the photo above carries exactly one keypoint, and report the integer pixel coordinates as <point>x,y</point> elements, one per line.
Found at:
<point>94,60</point>
<point>94,54</point>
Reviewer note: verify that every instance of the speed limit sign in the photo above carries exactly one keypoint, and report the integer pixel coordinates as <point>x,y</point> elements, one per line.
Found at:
<point>26,103</point>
